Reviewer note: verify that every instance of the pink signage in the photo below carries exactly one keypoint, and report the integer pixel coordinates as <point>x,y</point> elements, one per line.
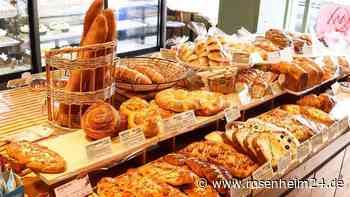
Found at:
<point>333,18</point>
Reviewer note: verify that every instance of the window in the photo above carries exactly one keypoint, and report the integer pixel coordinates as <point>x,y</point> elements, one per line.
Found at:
<point>15,54</point>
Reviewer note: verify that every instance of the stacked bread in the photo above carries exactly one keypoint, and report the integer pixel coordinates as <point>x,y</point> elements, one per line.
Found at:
<point>300,74</point>
<point>205,53</point>
<point>276,133</point>
<point>138,74</point>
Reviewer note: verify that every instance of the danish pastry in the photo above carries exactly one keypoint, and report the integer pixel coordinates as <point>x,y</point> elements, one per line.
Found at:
<point>148,119</point>
<point>176,100</point>
<point>132,105</point>
<point>210,103</point>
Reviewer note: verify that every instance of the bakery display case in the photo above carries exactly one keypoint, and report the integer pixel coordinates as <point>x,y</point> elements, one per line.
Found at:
<point>14,45</point>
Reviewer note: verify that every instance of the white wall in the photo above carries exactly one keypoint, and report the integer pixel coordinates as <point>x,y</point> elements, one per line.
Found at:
<point>271,14</point>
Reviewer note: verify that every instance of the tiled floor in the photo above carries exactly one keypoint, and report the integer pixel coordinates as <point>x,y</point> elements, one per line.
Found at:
<point>336,168</point>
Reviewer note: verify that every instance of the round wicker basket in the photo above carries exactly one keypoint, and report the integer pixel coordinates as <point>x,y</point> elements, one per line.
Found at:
<point>172,71</point>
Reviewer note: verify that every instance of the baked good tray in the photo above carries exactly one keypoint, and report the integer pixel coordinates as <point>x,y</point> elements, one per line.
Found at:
<point>301,93</point>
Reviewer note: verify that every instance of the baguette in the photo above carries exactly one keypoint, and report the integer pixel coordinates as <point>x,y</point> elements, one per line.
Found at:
<point>94,10</point>
<point>103,74</point>
<point>80,81</point>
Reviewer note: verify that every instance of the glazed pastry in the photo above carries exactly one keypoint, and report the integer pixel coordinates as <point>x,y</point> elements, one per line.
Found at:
<point>209,171</point>
<point>210,103</point>
<point>166,173</point>
<point>176,100</point>
<point>310,100</point>
<point>133,105</point>
<point>133,182</point>
<point>102,120</point>
<point>148,119</point>
<point>36,157</point>
<point>151,73</point>
<point>163,113</point>
<point>175,159</point>
<point>108,187</point>
<point>123,73</point>
<point>327,102</point>
<point>225,155</point>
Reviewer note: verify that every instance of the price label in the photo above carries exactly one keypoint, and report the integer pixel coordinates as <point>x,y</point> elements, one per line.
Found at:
<point>283,163</point>
<point>256,58</point>
<point>99,148</point>
<point>316,141</point>
<point>286,55</point>
<point>132,137</point>
<point>232,113</point>
<point>308,50</point>
<point>240,58</point>
<point>264,172</point>
<point>303,151</point>
<point>274,56</point>
<point>244,97</point>
<point>180,121</point>
<point>76,188</point>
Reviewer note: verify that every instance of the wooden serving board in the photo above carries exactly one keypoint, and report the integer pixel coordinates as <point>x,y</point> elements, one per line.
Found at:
<point>71,147</point>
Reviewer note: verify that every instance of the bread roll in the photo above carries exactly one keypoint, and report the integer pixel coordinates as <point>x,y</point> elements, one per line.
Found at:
<point>151,73</point>
<point>124,73</point>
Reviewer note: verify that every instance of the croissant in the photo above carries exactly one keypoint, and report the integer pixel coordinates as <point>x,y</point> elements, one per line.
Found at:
<point>102,120</point>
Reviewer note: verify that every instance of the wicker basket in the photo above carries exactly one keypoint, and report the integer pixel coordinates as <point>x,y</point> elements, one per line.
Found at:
<point>172,71</point>
<point>77,78</point>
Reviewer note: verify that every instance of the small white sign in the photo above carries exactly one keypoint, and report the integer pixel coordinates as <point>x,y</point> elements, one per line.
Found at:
<point>286,55</point>
<point>274,56</point>
<point>264,172</point>
<point>308,50</point>
<point>232,113</point>
<point>99,148</point>
<point>244,97</point>
<point>76,188</point>
<point>179,121</point>
<point>132,137</point>
<point>303,151</point>
<point>255,58</point>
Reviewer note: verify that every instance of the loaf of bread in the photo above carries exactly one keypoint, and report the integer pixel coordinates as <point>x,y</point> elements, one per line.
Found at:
<point>124,73</point>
